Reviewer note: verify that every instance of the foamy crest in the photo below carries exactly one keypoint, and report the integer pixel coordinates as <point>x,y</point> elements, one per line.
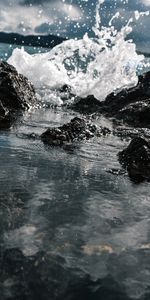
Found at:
<point>95,66</point>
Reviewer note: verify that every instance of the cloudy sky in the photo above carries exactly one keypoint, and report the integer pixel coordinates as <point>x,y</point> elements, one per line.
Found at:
<point>69,18</point>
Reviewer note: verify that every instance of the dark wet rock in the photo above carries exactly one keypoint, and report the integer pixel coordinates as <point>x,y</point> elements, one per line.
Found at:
<point>131,132</point>
<point>65,88</point>
<point>16,94</point>
<point>136,158</point>
<point>65,93</point>
<point>77,129</point>
<point>4,117</point>
<point>137,151</point>
<point>137,114</point>
<point>67,96</point>
<point>116,172</point>
<point>87,105</point>
<point>132,106</point>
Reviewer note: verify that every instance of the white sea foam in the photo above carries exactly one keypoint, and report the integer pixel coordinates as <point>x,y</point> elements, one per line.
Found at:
<point>95,66</point>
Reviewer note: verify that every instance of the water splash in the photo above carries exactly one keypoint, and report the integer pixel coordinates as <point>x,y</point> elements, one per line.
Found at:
<point>95,66</point>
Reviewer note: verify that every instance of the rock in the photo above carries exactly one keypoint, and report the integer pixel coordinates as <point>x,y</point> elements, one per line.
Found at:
<point>77,129</point>
<point>131,132</point>
<point>65,93</point>
<point>2,110</point>
<point>137,151</point>
<point>137,114</point>
<point>86,105</point>
<point>16,94</point>
<point>5,118</point>
<point>132,106</point>
<point>136,158</point>
<point>65,89</point>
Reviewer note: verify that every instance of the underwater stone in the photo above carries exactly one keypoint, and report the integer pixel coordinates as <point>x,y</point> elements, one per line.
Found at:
<point>16,94</point>
<point>136,158</point>
<point>77,129</point>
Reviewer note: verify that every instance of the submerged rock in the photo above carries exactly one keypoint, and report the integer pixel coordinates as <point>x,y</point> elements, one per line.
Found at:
<point>136,158</point>
<point>16,94</point>
<point>77,129</point>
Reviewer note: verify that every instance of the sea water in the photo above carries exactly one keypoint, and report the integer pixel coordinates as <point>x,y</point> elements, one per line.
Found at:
<point>69,228</point>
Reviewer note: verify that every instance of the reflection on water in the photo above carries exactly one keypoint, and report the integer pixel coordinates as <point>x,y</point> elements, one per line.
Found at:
<point>68,228</point>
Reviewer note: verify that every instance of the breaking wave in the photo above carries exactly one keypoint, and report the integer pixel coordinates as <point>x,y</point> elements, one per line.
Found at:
<point>100,65</point>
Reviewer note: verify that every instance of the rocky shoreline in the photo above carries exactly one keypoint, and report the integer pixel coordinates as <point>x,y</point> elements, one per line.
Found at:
<point>129,111</point>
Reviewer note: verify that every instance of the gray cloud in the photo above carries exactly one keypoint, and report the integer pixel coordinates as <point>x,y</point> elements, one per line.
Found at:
<point>69,17</point>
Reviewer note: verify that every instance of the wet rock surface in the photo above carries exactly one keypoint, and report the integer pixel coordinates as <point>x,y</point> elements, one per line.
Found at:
<point>131,132</point>
<point>130,106</point>
<point>5,119</point>
<point>86,105</point>
<point>77,129</point>
<point>136,158</point>
<point>16,94</point>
